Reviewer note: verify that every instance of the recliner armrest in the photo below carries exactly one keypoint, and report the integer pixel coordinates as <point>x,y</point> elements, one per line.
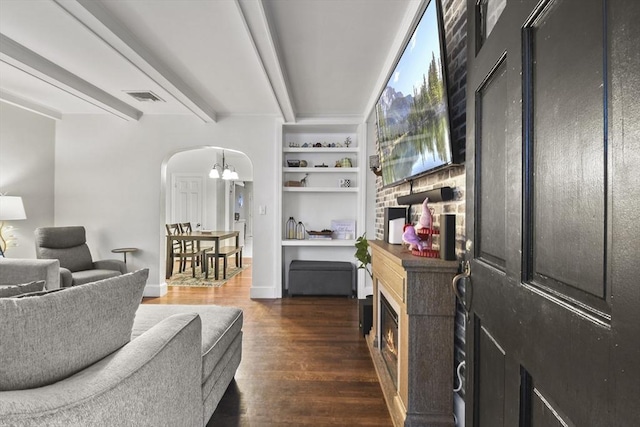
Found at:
<point>66,278</point>
<point>111,264</point>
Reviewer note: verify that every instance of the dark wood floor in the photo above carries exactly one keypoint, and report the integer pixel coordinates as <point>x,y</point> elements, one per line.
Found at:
<point>304,360</point>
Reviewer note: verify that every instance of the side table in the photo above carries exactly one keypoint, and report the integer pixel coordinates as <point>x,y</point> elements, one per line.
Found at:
<point>124,251</point>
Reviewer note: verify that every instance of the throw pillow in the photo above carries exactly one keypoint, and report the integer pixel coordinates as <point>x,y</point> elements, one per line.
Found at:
<point>46,338</point>
<point>25,288</point>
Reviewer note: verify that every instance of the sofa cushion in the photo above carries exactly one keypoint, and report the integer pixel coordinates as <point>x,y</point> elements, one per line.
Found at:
<point>25,288</point>
<point>220,325</point>
<point>48,337</point>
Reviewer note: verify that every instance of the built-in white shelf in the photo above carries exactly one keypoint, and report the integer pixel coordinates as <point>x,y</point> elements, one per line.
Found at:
<point>320,189</point>
<point>321,170</point>
<point>319,242</point>
<point>331,193</point>
<point>320,150</point>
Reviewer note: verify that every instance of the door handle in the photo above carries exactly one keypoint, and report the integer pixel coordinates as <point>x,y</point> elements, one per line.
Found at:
<point>466,275</point>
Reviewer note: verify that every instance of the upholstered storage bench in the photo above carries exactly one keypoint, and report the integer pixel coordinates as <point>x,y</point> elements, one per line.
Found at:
<point>321,278</point>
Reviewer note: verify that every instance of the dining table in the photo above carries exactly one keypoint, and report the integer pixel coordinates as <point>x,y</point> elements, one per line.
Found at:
<point>200,236</point>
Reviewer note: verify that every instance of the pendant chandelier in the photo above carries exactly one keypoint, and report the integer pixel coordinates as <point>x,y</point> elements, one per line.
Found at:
<point>225,171</point>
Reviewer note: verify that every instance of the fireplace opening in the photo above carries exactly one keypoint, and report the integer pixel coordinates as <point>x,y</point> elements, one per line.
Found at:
<point>389,338</point>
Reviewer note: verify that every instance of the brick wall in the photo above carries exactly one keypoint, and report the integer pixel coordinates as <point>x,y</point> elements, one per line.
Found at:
<point>455,22</point>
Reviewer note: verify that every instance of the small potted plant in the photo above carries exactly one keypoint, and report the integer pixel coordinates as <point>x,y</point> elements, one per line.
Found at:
<point>363,255</point>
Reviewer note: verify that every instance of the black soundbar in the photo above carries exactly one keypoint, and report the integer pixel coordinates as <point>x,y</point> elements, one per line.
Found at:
<point>441,194</point>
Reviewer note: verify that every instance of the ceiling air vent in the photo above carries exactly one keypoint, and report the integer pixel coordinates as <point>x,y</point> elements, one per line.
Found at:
<point>144,96</point>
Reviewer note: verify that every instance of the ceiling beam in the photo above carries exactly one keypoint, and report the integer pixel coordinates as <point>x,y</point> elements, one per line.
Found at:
<point>260,33</point>
<point>31,63</point>
<point>25,104</point>
<point>102,23</point>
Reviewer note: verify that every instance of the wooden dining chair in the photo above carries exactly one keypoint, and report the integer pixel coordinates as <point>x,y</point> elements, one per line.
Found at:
<point>183,250</point>
<point>205,247</point>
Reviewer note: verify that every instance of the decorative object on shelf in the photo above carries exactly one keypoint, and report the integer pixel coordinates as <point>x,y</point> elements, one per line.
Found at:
<point>303,163</point>
<point>344,183</point>
<point>325,234</point>
<point>293,163</point>
<point>426,235</point>
<point>374,165</point>
<point>11,209</point>
<point>224,170</point>
<point>322,166</point>
<point>419,241</point>
<point>347,141</point>
<point>410,237</point>
<point>290,228</point>
<point>292,184</point>
<point>420,237</point>
<point>300,231</point>
<point>346,162</point>
<point>362,254</point>
<point>343,228</point>
<point>426,222</point>
<point>303,181</point>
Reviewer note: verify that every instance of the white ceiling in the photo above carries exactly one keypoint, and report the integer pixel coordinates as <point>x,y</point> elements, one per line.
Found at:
<point>295,59</point>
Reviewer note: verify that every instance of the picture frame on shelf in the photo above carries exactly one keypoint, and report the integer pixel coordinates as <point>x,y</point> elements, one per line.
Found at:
<point>343,229</point>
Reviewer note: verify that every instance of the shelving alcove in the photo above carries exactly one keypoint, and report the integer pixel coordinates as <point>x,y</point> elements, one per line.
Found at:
<point>333,191</point>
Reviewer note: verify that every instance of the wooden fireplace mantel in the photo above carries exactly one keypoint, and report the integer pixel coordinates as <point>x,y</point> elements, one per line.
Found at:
<point>421,289</point>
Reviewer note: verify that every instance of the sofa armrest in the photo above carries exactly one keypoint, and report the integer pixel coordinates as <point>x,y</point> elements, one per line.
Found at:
<point>66,278</point>
<point>156,379</point>
<point>111,264</point>
<point>17,271</point>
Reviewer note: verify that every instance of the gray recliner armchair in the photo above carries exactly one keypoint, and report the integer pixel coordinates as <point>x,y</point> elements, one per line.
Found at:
<point>69,246</point>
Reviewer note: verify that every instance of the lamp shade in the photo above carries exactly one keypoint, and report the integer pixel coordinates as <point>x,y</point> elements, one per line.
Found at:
<point>11,208</point>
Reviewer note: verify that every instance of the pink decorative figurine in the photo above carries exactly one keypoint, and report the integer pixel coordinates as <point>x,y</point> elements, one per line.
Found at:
<point>426,218</point>
<point>409,236</point>
<point>426,223</point>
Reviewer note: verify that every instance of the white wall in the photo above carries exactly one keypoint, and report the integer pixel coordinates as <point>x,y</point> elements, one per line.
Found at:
<point>27,144</point>
<point>110,176</point>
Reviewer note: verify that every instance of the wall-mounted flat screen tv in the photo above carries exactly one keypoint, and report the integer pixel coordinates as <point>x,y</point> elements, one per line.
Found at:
<point>412,112</point>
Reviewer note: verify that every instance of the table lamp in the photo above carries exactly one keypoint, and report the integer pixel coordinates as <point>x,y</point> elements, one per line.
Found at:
<point>11,208</point>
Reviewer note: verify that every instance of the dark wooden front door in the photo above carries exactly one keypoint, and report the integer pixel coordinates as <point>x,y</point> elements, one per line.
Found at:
<point>553,200</point>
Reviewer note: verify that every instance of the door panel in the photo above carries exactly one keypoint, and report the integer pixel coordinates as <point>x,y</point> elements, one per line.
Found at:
<point>490,378</point>
<point>544,414</point>
<point>565,57</point>
<point>491,120</point>
<point>553,148</point>
<point>187,201</point>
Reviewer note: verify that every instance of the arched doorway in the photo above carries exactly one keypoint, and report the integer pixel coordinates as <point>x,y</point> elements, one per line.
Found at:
<point>191,195</point>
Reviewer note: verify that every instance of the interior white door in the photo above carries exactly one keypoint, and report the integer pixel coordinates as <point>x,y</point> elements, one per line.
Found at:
<point>187,199</point>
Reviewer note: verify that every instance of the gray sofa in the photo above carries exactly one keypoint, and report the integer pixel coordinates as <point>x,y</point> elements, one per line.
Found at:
<point>15,271</point>
<point>106,359</point>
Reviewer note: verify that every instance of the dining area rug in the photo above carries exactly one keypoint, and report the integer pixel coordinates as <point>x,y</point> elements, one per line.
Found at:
<point>185,279</point>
